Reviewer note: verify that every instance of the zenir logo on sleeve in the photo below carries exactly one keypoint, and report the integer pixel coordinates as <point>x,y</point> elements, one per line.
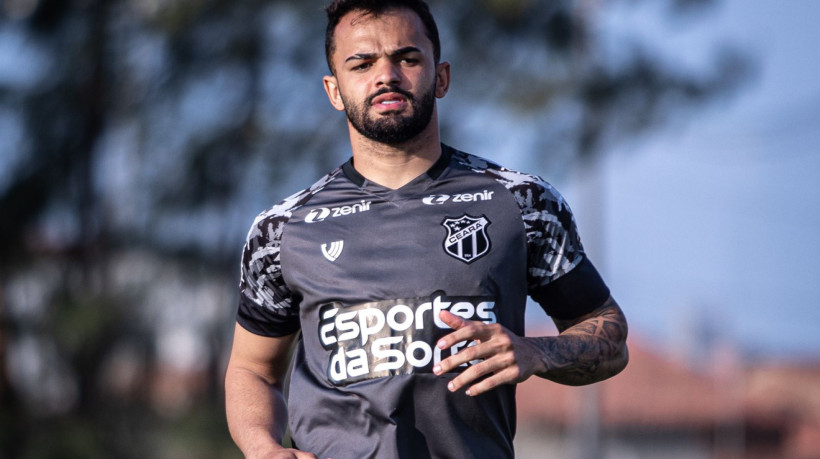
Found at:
<point>466,237</point>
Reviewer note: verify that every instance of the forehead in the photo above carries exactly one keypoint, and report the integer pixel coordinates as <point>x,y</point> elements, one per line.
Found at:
<point>367,33</point>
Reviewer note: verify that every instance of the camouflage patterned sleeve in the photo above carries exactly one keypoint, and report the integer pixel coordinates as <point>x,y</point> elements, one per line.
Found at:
<point>553,245</point>
<point>559,275</point>
<point>266,305</point>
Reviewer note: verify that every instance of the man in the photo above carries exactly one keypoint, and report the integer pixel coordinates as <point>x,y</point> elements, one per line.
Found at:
<point>406,271</point>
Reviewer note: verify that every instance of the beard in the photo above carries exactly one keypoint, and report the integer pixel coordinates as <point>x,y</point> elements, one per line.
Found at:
<point>392,128</point>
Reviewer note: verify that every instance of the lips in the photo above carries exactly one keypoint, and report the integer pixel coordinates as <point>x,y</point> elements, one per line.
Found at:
<point>391,98</point>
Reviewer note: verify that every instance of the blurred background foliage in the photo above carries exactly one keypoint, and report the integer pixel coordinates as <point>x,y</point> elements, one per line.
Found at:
<point>139,138</point>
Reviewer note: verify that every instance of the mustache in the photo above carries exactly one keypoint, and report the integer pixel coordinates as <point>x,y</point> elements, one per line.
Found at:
<point>389,89</point>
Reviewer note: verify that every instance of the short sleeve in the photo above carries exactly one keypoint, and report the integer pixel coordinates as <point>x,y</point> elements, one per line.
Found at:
<point>266,305</point>
<point>559,276</point>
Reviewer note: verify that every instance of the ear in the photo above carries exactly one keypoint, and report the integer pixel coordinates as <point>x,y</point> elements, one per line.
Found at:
<point>442,79</point>
<point>332,90</point>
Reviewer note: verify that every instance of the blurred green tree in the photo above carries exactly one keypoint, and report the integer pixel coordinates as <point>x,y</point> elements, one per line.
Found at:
<point>138,138</point>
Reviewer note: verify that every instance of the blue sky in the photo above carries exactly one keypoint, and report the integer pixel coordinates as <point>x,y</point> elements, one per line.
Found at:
<point>714,219</point>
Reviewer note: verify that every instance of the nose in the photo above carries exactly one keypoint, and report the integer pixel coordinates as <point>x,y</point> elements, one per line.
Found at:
<point>388,72</point>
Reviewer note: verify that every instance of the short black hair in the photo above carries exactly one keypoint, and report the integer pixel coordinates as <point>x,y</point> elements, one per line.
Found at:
<point>338,8</point>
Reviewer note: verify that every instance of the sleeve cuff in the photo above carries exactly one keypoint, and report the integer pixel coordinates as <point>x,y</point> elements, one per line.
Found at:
<point>263,322</point>
<point>574,294</point>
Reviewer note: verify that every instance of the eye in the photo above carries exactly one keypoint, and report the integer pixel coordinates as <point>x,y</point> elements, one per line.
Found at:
<point>409,61</point>
<point>362,66</point>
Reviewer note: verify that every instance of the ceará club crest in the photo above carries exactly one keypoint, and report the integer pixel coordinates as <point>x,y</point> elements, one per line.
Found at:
<point>466,237</point>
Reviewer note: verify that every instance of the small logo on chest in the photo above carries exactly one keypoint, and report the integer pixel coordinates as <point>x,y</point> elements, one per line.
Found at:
<point>467,237</point>
<point>322,213</point>
<point>438,199</point>
<point>333,250</point>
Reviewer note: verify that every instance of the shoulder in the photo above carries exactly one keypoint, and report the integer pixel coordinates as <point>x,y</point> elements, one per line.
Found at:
<point>262,281</point>
<point>269,224</point>
<point>531,192</point>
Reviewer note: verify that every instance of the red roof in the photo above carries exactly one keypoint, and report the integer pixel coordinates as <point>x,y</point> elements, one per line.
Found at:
<point>657,392</point>
<point>651,391</point>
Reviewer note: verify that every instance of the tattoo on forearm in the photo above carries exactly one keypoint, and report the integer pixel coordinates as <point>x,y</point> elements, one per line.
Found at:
<point>588,350</point>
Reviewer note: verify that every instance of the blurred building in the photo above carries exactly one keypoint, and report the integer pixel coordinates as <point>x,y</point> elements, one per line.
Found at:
<point>663,407</point>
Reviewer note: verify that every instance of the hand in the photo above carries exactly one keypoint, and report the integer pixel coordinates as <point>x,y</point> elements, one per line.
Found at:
<point>508,358</point>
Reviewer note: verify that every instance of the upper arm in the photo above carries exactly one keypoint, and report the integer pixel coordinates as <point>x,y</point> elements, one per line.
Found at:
<point>267,357</point>
<point>560,277</point>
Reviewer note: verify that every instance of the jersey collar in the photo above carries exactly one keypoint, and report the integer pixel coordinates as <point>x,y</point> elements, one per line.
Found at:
<point>433,173</point>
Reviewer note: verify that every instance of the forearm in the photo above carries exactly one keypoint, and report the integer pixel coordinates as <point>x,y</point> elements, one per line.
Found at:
<point>588,351</point>
<point>256,412</point>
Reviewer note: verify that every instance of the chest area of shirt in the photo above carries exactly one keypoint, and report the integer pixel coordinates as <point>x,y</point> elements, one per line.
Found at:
<point>460,228</point>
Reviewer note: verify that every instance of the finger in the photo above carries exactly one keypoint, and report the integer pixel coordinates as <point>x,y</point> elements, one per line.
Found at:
<point>296,454</point>
<point>497,363</point>
<point>289,454</point>
<point>481,369</point>
<point>465,330</point>
<point>455,322</point>
<point>471,353</point>
<point>507,376</point>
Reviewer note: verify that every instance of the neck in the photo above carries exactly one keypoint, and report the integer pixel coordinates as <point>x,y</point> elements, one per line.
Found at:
<point>393,166</point>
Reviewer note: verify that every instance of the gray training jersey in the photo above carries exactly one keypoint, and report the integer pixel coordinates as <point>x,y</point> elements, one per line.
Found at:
<point>363,272</point>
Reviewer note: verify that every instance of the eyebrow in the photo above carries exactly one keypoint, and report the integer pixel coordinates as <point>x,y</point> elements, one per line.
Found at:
<point>398,52</point>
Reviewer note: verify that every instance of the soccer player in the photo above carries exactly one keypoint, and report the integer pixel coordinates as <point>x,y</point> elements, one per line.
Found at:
<point>402,276</point>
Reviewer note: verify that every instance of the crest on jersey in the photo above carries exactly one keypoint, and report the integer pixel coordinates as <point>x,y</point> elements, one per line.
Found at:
<point>467,237</point>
